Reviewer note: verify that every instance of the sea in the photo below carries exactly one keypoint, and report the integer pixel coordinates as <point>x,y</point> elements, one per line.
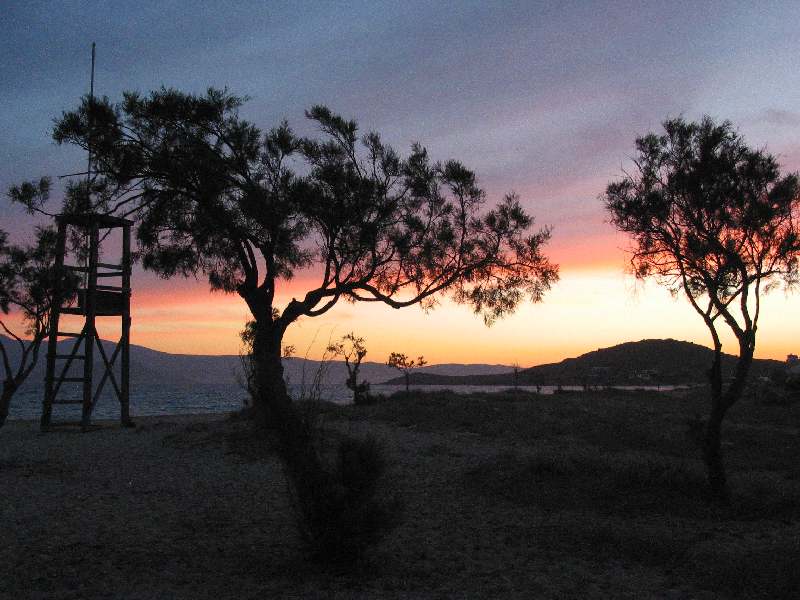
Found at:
<point>158,399</point>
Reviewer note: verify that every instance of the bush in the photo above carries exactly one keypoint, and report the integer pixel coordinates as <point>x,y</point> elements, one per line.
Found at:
<point>336,500</point>
<point>362,395</point>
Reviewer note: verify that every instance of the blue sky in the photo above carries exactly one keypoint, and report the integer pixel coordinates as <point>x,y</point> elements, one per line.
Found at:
<point>541,98</point>
<point>528,94</point>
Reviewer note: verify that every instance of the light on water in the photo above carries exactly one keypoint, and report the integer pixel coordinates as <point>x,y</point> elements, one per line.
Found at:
<point>153,399</point>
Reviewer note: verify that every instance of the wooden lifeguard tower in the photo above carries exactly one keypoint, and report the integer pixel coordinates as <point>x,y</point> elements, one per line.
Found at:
<point>93,300</point>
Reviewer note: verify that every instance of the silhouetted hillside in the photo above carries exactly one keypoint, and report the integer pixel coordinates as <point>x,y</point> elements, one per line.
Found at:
<point>151,366</point>
<point>647,362</point>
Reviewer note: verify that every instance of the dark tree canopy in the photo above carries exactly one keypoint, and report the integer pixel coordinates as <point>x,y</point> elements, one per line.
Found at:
<point>27,281</point>
<point>708,215</point>
<point>352,349</point>
<point>405,365</point>
<point>213,194</point>
<point>716,219</point>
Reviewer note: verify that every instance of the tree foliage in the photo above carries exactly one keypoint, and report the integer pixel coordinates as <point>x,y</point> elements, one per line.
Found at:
<point>215,195</point>
<point>353,349</point>
<point>212,192</point>
<point>405,365</point>
<point>27,280</point>
<point>715,219</point>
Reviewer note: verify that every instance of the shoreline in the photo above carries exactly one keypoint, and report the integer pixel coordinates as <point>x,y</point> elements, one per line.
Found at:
<point>111,423</point>
<point>29,403</point>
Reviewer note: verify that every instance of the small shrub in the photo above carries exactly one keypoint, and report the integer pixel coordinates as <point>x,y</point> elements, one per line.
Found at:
<point>337,503</point>
<point>362,396</point>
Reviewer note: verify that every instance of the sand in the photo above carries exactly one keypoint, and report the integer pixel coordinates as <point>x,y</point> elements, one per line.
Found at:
<point>175,509</point>
<point>193,507</point>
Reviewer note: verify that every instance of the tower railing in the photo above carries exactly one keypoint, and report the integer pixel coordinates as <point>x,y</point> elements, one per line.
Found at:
<point>92,300</point>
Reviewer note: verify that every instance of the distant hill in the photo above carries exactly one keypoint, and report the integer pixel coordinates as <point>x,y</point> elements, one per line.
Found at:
<point>184,370</point>
<point>647,362</point>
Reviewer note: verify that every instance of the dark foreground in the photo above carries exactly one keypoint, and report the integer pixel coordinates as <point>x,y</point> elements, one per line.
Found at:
<point>595,495</point>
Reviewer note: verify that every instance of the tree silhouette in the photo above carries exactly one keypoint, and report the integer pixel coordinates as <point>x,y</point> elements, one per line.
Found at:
<point>716,220</point>
<point>353,349</point>
<point>516,369</point>
<point>402,363</point>
<point>214,195</point>
<point>26,285</point>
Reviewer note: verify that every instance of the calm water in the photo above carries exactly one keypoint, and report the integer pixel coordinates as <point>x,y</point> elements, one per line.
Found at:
<point>154,399</point>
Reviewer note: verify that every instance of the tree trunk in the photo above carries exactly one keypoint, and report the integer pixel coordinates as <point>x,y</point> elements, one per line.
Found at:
<point>271,401</point>
<point>359,389</point>
<point>712,435</point>
<point>720,403</point>
<point>351,382</point>
<point>712,456</point>
<point>5,400</point>
<point>735,390</point>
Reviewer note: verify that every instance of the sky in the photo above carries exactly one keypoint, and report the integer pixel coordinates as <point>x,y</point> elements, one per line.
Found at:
<point>541,98</point>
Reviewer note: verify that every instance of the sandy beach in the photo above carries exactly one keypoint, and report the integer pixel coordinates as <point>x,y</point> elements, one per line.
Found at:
<point>499,502</point>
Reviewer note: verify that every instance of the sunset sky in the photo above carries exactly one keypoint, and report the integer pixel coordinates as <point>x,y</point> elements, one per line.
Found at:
<point>544,99</point>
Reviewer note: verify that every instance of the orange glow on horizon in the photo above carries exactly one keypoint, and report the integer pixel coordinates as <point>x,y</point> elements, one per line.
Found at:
<point>588,309</point>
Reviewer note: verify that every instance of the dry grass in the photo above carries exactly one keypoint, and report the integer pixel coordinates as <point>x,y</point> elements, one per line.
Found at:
<point>597,496</point>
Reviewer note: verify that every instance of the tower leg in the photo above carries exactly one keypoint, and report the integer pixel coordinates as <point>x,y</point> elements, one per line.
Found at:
<point>52,343</point>
<point>125,367</point>
<point>90,328</point>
